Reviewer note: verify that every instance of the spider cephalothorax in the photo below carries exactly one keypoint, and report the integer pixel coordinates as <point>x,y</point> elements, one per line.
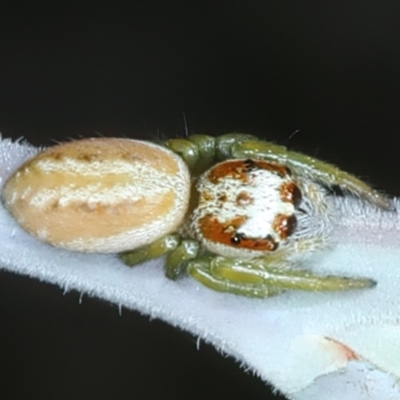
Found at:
<point>245,208</point>
<point>255,213</point>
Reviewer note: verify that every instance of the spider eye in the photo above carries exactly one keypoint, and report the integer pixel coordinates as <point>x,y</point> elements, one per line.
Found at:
<point>285,225</point>
<point>237,238</point>
<point>291,193</point>
<point>250,164</point>
<point>296,196</point>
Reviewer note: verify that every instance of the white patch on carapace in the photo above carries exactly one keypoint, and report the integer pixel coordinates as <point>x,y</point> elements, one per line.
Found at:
<point>255,200</point>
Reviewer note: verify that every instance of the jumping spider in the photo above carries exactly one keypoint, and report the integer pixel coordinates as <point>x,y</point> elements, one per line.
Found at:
<point>256,212</point>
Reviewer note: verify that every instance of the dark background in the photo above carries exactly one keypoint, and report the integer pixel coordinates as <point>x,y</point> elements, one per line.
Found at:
<point>329,69</point>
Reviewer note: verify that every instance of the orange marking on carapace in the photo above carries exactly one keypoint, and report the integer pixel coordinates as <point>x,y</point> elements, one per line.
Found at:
<point>284,225</point>
<point>223,197</point>
<point>244,199</point>
<point>290,193</point>
<point>240,169</point>
<point>225,233</point>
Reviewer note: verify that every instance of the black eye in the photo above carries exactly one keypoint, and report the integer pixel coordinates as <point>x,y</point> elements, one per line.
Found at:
<point>237,238</point>
<point>296,196</point>
<point>274,244</point>
<point>250,164</point>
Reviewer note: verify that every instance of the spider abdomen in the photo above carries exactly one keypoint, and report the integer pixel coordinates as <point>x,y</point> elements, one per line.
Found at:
<point>100,195</point>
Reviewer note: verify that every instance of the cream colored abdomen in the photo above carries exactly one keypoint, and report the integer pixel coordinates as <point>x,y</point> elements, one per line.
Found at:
<point>100,195</point>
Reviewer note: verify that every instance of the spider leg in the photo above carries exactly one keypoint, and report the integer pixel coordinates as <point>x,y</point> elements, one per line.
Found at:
<point>187,149</point>
<point>179,252</point>
<point>312,169</point>
<point>201,151</point>
<point>178,258</point>
<point>151,251</point>
<point>225,143</point>
<point>200,269</point>
<point>258,278</point>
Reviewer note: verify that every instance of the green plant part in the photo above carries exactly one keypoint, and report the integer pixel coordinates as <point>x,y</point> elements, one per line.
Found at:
<point>257,212</point>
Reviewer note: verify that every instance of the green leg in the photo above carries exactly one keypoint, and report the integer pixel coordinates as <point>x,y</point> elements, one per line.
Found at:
<point>199,269</point>
<point>257,278</point>
<point>200,151</point>
<point>186,149</point>
<point>177,258</point>
<point>206,147</point>
<point>154,250</point>
<point>179,252</point>
<point>311,168</point>
<point>225,143</point>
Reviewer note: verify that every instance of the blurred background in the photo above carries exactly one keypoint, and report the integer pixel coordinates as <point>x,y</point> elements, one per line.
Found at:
<point>326,70</point>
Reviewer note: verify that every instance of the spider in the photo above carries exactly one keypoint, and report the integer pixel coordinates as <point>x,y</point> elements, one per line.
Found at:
<point>239,214</point>
<point>256,212</point>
